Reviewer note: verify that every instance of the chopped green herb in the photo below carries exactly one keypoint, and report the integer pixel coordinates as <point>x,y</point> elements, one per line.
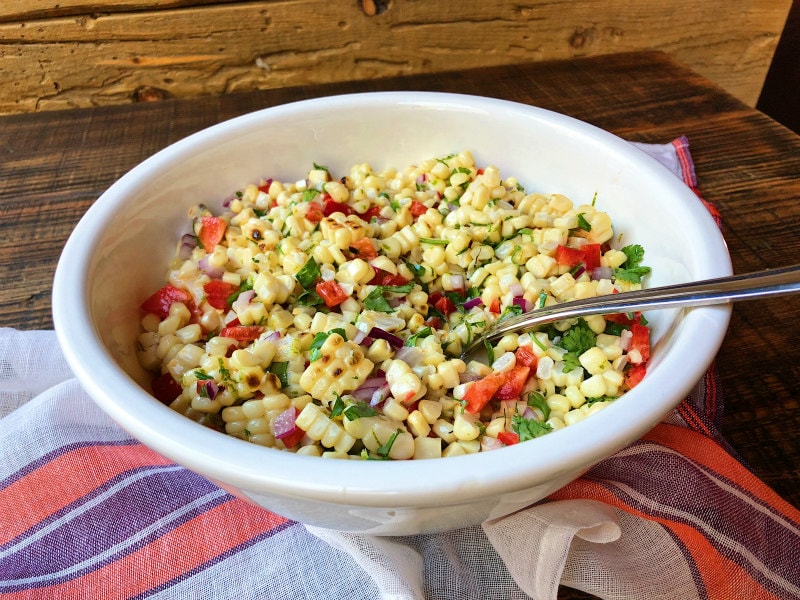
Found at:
<point>359,410</point>
<point>434,241</point>
<point>375,300</point>
<point>244,286</point>
<point>511,310</point>
<point>527,429</point>
<point>281,371</point>
<point>310,298</point>
<point>417,270</point>
<point>583,223</point>
<point>387,447</point>
<point>632,269</point>
<point>202,375</point>
<point>489,351</point>
<point>537,400</point>
<point>422,333</point>
<point>319,340</point>
<point>338,406</point>
<point>309,195</point>
<point>541,300</point>
<point>320,167</point>
<point>309,273</point>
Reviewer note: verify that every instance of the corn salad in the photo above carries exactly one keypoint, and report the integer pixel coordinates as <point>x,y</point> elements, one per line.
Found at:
<point>327,316</point>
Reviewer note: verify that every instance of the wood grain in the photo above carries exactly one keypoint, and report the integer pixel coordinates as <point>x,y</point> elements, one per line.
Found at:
<point>83,54</point>
<point>54,165</point>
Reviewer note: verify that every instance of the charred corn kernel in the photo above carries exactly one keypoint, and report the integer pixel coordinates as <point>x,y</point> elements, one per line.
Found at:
<point>340,368</point>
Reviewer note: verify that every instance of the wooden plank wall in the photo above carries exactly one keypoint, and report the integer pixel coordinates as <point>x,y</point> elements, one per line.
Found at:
<point>80,53</point>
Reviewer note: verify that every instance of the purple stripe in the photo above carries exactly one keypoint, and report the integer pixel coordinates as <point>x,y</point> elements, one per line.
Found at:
<point>759,532</point>
<point>215,560</point>
<point>52,455</point>
<point>128,511</point>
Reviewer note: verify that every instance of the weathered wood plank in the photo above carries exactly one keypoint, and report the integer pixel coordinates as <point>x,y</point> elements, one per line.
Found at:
<point>167,48</point>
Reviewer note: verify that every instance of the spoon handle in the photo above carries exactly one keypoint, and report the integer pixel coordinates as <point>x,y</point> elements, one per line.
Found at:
<point>750,286</point>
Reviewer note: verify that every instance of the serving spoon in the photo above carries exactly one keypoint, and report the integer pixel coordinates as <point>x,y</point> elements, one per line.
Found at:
<point>749,286</point>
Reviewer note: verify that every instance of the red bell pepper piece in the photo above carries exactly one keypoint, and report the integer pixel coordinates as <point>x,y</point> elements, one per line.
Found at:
<point>364,249</point>
<point>373,212</point>
<point>314,213</point>
<point>640,341</point>
<point>385,278</point>
<point>212,230</point>
<point>526,357</point>
<point>514,383</point>
<point>509,438</point>
<point>165,388</point>
<point>591,256</point>
<point>242,333</point>
<point>494,307</point>
<point>160,302</point>
<point>218,292</point>
<point>569,257</point>
<point>331,292</point>
<point>480,392</point>
<point>634,375</point>
<point>330,206</point>
<point>417,209</point>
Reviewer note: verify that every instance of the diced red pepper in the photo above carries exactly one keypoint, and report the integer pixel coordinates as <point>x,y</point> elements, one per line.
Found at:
<point>494,307</point>
<point>509,438</point>
<point>314,213</point>
<point>526,357</point>
<point>373,212</point>
<point>385,278</point>
<point>442,303</point>
<point>480,392</point>
<point>218,292</point>
<point>364,249</point>
<point>265,188</point>
<point>331,292</point>
<point>569,257</point>
<point>330,206</point>
<point>624,318</point>
<point>634,375</point>
<point>640,341</point>
<point>417,209</point>
<point>212,230</point>
<point>591,256</point>
<point>242,333</point>
<point>514,383</point>
<point>291,440</point>
<point>160,302</point>
<point>165,388</point>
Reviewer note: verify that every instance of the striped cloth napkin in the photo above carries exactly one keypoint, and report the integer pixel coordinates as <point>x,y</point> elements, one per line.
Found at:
<point>88,512</point>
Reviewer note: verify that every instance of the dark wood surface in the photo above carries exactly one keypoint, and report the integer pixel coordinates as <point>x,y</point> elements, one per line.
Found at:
<point>54,165</point>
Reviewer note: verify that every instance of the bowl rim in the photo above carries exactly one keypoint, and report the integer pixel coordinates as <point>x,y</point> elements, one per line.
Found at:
<point>262,470</point>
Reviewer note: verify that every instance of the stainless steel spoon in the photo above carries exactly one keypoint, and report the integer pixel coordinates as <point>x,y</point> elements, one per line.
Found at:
<point>750,286</point>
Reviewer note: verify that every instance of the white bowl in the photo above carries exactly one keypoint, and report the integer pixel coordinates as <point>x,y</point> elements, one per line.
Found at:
<point>118,252</point>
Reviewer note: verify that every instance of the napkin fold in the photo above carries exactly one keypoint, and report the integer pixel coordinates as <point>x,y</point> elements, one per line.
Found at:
<point>88,512</point>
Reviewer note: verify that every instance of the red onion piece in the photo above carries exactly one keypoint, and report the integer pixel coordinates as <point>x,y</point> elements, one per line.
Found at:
<point>210,386</point>
<point>379,395</point>
<point>472,303</point>
<point>188,243</point>
<point>490,443</point>
<point>516,289</point>
<point>394,341</point>
<point>411,355</point>
<point>457,282</point>
<point>284,424</point>
<point>525,304</point>
<point>213,272</point>
<point>243,300</point>
<point>367,389</point>
<point>602,273</point>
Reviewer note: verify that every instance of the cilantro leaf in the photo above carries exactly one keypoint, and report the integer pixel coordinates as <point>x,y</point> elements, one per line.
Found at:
<point>244,286</point>
<point>375,300</point>
<point>578,339</point>
<point>511,310</point>
<point>281,371</point>
<point>358,410</point>
<point>308,274</point>
<point>632,270</point>
<point>527,429</point>
<point>422,333</point>
<point>338,406</point>
<point>583,223</point>
<point>319,340</point>
<point>387,447</point>
<point>537,400</point>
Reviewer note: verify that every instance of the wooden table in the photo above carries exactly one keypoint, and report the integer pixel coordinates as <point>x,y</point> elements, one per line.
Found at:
<point>54,165</point>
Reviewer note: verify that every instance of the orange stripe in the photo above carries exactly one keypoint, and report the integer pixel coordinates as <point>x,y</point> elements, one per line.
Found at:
<point>723,579</point>
<point>65,479</point>
<point>708,453</point>
<point>189,546</point>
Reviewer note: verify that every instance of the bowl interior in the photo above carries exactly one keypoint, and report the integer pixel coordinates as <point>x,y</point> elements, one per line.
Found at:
<point>118,254</point>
